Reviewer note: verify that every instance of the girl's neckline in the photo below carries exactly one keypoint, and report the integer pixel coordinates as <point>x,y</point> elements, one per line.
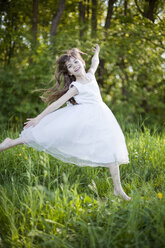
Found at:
<point>82,83</point>
<point>85,83</point>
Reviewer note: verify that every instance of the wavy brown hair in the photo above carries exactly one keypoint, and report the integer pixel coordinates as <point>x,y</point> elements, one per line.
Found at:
<point>62,76</point>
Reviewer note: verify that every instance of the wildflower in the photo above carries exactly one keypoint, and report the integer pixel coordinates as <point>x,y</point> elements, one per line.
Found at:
<point>26,157</point>
<point>126,35</point>
<point>19,154</point>
<point>160,195</point>
<point>23,148</point>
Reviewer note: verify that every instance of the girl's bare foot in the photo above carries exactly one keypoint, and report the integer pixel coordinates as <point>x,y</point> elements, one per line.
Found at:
<point>122,194</point>
<point>5,144</point>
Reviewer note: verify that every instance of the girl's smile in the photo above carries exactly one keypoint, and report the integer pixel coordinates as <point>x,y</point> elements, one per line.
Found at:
<point>75,66</point>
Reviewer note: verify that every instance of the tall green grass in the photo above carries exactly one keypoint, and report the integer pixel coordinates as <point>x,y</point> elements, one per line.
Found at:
<point>47,203</point>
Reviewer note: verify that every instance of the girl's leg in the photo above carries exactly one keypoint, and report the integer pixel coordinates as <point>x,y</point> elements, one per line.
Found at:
<point>8,143</point>
<point>118,190</point>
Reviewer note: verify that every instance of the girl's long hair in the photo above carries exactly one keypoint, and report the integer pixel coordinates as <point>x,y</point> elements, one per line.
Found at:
<point>62,76</point>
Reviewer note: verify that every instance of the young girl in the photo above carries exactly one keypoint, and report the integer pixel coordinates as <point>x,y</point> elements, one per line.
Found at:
<point>85,132</point>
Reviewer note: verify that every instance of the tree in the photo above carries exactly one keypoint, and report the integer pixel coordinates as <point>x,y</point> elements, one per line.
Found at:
<point>149,9</point>
<point>56,17</point>
<point>94,19</point>
<point>35,21</point>
<point>101,70</point>
<point>82,19</point>
<point>109,15</point>
<point>131,70</point>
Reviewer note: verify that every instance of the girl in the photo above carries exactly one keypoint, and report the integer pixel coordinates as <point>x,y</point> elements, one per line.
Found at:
<point>85,132</point>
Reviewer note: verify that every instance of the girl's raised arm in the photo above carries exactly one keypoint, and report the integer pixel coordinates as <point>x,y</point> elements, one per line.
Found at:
<point>95,60</point>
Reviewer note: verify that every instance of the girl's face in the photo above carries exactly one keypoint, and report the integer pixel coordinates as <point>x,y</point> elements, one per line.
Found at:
<point>75,66</point>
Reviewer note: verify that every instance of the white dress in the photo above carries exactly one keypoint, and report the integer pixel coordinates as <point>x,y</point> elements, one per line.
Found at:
<point>85,134</point>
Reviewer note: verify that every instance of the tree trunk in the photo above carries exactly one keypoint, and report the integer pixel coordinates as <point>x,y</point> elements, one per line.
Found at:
<point>149,9</point>
<point>125,7</point>
<point>124,78</point>
<point>11,47</point>
<point>109,14</point>
<point>35,22</point>
<point>56,17</point>
<point>94,18</point>
<point>81,18</point>
<point>87,8</point>
<point>101,69</point>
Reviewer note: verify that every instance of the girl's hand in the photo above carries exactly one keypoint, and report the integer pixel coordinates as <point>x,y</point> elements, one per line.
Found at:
<point>32,122</point>
<point>96,49</point>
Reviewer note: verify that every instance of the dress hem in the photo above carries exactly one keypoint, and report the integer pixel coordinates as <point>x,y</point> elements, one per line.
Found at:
<point>74,160</point>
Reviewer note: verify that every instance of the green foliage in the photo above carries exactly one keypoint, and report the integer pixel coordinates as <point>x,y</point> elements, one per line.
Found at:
<point>132,50</point>
<point>47,203</point>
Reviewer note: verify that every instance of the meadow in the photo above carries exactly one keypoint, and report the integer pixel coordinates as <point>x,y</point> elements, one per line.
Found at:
<point>47,203</point>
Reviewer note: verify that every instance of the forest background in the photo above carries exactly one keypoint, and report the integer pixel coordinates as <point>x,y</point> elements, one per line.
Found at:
<point>131,34</point>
